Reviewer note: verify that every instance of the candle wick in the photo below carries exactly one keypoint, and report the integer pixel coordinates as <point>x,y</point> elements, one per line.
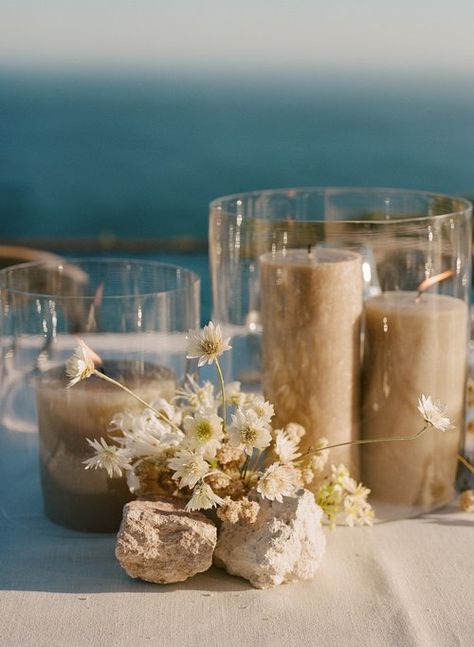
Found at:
<point>428,283</point>
<point>309,250</point>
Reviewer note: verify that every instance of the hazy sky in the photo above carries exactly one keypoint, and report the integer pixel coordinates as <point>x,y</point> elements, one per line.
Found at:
<point>216,34</point>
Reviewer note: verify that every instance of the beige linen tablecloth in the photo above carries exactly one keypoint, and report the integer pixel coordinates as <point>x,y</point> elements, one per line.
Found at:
<point>403,583</point>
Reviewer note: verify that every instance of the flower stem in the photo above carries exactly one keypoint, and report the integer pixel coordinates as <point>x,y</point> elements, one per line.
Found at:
<point>254,461</point>
<point>224,403</point>
<point>465,462</point>
<point>106,378</point>
<point>243,471</point>
<point>366,441</point>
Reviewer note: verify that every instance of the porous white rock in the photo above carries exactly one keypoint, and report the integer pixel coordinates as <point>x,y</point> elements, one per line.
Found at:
<point>285,544</point>
<point>159,541</point>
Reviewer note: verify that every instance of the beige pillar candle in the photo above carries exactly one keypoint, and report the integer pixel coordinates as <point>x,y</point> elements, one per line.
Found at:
<point>311,310</point>
<point>412,346</point>
<point>73,497</point>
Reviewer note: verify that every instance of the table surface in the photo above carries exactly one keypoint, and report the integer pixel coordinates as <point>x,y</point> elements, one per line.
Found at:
<point>401,583</point>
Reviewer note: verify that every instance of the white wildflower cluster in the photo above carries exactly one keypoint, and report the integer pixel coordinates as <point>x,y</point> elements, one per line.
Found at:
<point>344,500</point>
<point>220,449</point>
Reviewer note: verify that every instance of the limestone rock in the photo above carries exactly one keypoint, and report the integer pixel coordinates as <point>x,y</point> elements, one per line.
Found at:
<point>159,541</point>
<point>285,544</point>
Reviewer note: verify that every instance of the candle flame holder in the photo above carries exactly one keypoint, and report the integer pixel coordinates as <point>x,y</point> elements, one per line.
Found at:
<point>135,315</point>
<point>288,340</point>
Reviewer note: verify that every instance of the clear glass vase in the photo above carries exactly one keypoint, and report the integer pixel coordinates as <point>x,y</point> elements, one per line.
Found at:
<point>344,306</point>
<point>135,316</point>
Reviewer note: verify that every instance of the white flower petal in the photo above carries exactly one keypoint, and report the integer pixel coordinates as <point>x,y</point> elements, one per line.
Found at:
<point>203,498</point>
<point>434,413</point>
<point>188,467</point>
<point>207,344</point>
<point>278,481</point>
<point>285,448</point>
<point>80,365</point>
<point>204,433</point>
<point>248,431</point>
<point>109,457</point>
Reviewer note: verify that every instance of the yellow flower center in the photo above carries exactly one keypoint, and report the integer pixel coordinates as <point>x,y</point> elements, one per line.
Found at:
<point>248,435</point>
<point>209,347</point>
<point>203,430</point>
<point>191,467</point>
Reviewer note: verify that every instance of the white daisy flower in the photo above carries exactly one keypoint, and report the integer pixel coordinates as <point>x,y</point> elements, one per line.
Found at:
<point>248,430</point>
<point>278,481</point>
<point>188,467</point>
<point>109,457</point>
<point>203,498</point>
<point>149,443</point>
<point>198,397</point>
<point>204,433</point>
<point>434,413</point>
<point>234,395</point>
<point>207,344</point>
<point>124,421</point>
<point>264,410</point>
<point>80,365</point>
<point>285,448</point>
<point>170,412</point>
<point>144,434</point>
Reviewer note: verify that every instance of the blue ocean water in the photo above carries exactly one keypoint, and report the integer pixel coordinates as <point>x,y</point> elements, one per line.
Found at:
<point>142,156</point>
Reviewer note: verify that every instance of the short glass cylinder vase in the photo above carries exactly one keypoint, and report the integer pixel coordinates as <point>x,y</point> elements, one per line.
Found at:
<point>345,306</point>
<point>135,316</point>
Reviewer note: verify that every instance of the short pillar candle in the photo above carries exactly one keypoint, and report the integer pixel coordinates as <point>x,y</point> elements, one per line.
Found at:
<point>73,497</point>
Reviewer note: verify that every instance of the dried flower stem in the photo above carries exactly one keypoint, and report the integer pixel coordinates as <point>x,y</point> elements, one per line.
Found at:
<point>243,469</point>
<point>465,462</point>
<point>160,415</point>
<point>222,385</point>
<point>256,459</point>
<point>366,441</point>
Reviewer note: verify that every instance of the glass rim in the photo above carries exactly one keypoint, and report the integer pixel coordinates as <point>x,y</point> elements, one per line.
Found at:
<point>195,279</point>
<point>464,205</point>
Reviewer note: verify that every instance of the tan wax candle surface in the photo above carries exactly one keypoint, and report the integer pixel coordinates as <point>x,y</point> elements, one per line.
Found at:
<point>412,346</point>
<point>311,310</point>
<point>73,497</point>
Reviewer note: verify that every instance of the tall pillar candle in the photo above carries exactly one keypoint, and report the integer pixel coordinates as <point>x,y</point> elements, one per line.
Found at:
<point>311,306</point>
<point>73,497</point>
<point>413,345</point>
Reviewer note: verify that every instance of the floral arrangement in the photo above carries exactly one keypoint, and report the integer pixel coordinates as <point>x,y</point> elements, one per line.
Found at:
<point>216,449</point>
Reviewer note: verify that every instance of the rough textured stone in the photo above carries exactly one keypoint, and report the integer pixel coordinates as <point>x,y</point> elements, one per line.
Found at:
<point>286,543</point>
<point>159,541</point>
